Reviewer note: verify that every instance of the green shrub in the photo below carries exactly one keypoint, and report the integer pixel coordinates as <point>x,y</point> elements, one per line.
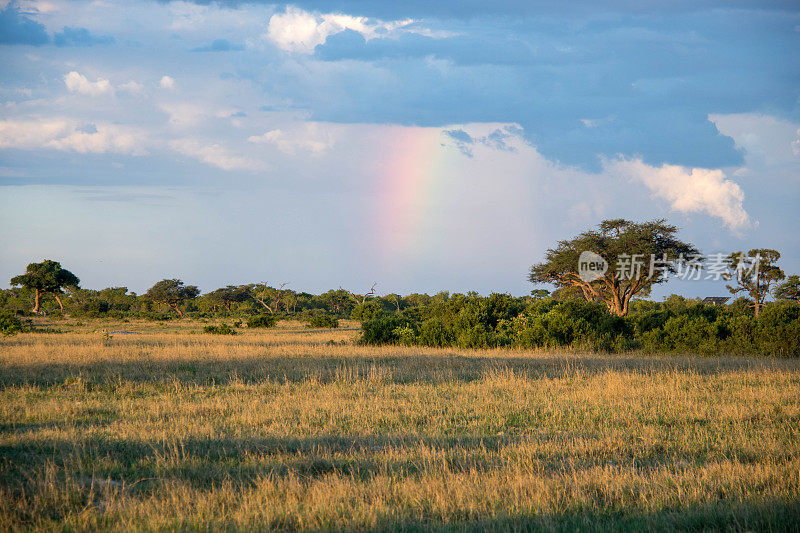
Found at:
<point>405,335</point>
<point>434,333</point>
<point>367,310</point>
<point>10,324</point>
<point>323,321</point>
<point>778,330</point>
<point>683,334</point>
<point>262,321</point>
<point>384,329</point>
<point>222,329</point>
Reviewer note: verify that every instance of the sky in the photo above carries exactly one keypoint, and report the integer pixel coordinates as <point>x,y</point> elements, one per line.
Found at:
<point>419,145</point>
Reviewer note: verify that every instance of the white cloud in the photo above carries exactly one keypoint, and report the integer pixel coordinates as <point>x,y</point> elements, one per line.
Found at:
<point>78,83</point>
<point>296,30</point>
<point>310,138</point>
<point>215,155</point>
<point>104,138</point>
<point>689,190</point>
<point>167,82</point>
<point>68,136</point>
<point>30,134</point>
<point>133,88</point>
<point>184,113</point>
<point>765,139</point>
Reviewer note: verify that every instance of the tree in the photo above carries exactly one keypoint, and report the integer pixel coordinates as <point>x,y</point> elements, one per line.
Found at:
<point>46,277</point>
<point>362,298</point>
<point>618,261</point>
<point>754,274</point>
<point>173,293</point>
<point>227,296</point>
<point>538,294</point>
<point>789,289</point>
<point>263,293</point>
<point>337,301</point>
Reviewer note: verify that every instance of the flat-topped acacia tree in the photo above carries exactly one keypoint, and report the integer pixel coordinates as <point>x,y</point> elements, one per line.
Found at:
<point>46,277</point>
<point>627,247</point>
<point>173,293</point>
<point>755,280</point>
<point>227,296</point>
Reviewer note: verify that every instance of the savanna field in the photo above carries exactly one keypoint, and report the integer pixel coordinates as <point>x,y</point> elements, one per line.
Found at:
<point>293,428</point>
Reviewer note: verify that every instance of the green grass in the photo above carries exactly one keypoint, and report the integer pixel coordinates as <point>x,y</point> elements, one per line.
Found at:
<point>294,428</point>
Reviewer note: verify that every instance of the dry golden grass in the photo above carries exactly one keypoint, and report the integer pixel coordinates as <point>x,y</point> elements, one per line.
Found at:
<point>294,428</point>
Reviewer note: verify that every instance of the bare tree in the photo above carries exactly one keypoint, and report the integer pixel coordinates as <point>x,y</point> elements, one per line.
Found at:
<point>361,298</point>
<point>267,293</point>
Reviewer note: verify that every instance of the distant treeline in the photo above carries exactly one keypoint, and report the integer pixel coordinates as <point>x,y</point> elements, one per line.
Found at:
<point>563,320</point>
<point>241,301</point>
<point>602,277</point>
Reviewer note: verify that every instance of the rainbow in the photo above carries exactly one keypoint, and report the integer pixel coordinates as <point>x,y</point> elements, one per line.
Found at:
<point>408,173</point>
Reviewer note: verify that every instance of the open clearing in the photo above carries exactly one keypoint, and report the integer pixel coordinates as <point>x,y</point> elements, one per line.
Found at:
<point>293,428</point>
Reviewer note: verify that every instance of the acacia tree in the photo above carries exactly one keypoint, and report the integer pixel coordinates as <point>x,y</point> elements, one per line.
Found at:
<point>46,277</point>
<point>789,289</point>
<point>173,293</point>
<point>754,273</point>
<point>227,296</point>
<point>269,297</point>
<point>637,256</point>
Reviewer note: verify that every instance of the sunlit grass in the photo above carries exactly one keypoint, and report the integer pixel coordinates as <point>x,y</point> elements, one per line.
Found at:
<point>294,428</point>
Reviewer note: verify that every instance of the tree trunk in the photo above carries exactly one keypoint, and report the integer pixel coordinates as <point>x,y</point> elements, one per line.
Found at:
<point>59,303</point>
<point>36,302</point>
<point>176,309</point>
<point>268,308</point>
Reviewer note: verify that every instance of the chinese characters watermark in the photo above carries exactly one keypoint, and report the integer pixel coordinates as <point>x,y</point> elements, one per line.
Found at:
<point>716,267</point>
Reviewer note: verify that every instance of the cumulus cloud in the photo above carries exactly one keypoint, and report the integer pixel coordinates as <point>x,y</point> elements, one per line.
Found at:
<point>69,136</point>
<point>100,139</point>
<point>78,83</point>
<point>132,87</point>
<point>689,190</point>
<point>296,30</point>
<point>309,138</point>
<point>30,134</point>
<point>167,82</point>
<point>215,155</point>
<point>769,139</point>
<point>184,113</point>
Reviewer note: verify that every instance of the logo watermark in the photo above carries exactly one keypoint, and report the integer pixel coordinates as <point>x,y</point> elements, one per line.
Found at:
<point>591,266</point>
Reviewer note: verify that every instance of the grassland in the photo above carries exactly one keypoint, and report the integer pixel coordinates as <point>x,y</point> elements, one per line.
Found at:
<point>293,428</point>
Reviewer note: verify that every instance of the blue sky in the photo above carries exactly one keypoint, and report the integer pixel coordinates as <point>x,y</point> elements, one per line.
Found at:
<point>420,145</point>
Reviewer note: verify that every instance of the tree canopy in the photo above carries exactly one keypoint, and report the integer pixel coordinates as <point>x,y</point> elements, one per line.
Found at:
<point>226,296</point>
<point>47,277</point>
<point>789,289</point>
<point>636,256</point>
<point>173,293</point>
<point>754,274</point>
